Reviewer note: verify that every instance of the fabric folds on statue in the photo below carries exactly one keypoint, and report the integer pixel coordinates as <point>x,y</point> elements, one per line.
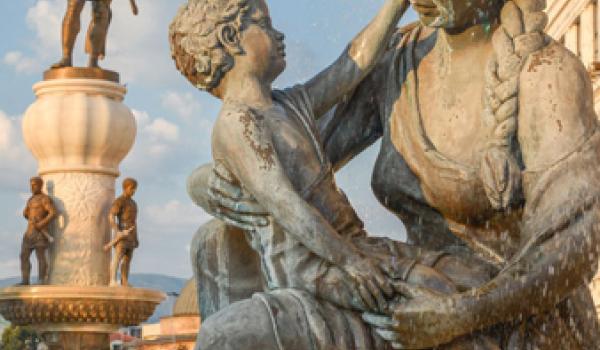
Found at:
<point>326,326</point>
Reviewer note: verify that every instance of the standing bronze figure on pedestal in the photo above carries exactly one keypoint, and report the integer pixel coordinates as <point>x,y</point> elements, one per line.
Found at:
<point>96,35</point>
<point>39,212</point>
<point>124,209</point>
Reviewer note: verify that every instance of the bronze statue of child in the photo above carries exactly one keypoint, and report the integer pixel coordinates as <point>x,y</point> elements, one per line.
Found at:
<point>266,141</point>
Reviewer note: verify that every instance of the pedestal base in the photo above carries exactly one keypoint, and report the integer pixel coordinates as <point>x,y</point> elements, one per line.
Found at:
<point>77,318</point>
<point>76,341</point>
<point>81,73</point>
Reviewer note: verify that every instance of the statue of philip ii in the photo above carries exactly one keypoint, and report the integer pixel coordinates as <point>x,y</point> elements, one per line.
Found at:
<point>95,45</point>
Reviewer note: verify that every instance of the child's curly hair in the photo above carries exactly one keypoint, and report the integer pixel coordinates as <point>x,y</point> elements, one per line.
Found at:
<point>195,45</point>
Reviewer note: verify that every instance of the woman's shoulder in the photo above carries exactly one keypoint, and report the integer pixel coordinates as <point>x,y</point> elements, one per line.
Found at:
<point>556,105</point>
<point>554,59</point>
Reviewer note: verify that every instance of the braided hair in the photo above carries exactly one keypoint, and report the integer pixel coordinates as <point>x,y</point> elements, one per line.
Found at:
<point>521,33</point>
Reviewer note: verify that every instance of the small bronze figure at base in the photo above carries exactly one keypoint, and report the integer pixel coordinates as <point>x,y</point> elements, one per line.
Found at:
<point>39,212</point>
<point>124,210</point>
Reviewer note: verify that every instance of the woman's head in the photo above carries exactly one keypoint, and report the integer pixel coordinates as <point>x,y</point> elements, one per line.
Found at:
<point>209,37</point>
<point>456,14</point>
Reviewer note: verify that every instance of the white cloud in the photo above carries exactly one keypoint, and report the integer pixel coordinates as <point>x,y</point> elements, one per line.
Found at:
<point>45,18</point>
<point>5,132</point>
<point>16,162</point>
<point>175,214</point>
<point>155,140</point>
<point>21,63</point>
<point>156,129</point>
<point>184,105</point>
<point>162,130</point>
<point>158,150</point>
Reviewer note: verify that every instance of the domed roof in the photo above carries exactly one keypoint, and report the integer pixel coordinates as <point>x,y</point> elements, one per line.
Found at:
<point>187,302</point>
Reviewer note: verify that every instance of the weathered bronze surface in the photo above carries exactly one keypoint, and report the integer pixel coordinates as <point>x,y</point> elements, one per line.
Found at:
<point>81,73</point>
<point>490,156</point>
<point>39,212</point>
<point>95,45</point>
<point>122,218</point>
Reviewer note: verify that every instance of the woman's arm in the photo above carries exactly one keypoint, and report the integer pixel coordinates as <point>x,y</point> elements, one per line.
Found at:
<point>359,58</point>
<point>356,122</point>
<point>212,188</point>
<point>254,162</point>
<point>558,136</point>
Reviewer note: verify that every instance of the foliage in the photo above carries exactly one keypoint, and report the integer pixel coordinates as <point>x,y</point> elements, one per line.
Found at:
<point>19,338</point>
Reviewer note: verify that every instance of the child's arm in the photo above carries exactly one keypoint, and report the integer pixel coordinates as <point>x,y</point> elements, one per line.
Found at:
<point>359,58</point>
<point>243,143</point>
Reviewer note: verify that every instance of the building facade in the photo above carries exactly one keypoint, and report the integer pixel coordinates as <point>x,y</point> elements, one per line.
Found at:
<point>176,332</point>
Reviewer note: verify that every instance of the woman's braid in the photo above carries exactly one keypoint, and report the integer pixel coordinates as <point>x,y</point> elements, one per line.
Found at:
<point>520,34</point>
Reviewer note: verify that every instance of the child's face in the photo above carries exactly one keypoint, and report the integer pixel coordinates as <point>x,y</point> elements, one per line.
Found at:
<point>263,44</point>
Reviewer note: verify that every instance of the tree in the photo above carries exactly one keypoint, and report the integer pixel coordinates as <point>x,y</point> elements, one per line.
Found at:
<point>19,338</point>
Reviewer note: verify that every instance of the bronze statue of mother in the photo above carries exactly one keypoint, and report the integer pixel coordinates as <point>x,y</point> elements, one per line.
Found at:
<point>490,150</point>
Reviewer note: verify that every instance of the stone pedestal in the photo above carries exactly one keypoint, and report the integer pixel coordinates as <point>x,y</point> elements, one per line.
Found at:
<point>79,131</point>
<point>77,318</point>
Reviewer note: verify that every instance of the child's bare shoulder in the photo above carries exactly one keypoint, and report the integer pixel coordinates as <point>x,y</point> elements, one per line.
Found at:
<point>239,120</point>
<point>238,128</point>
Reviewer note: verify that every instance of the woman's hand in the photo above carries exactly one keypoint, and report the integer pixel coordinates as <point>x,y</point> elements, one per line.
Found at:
<point>372,283</point>
<point>214,189</point>
<point>425,320</point>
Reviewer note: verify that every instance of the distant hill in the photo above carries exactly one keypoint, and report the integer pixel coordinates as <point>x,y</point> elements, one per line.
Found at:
<point>167,284</point>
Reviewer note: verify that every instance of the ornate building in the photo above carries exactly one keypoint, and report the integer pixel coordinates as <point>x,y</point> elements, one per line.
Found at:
<point>177,332</point>
<point>576,23</point>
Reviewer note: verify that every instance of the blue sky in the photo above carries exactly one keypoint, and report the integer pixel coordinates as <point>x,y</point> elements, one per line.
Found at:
<point>174,119</point>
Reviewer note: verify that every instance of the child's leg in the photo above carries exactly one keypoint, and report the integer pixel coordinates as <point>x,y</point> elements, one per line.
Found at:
<point>338,288</point>
<point>463,271</point>
<point>425,276</point>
